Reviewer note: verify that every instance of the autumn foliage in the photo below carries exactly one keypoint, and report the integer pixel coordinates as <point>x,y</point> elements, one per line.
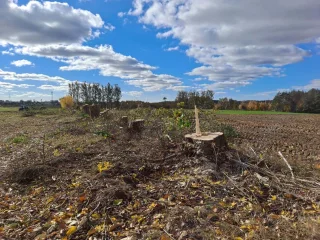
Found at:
<point>66,102</point>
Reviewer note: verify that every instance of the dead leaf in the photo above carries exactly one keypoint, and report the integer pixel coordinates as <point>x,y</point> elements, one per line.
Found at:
<point>91,231</point>
<point>165,237</point>
<point>82,198</point>
<point>71,230</point>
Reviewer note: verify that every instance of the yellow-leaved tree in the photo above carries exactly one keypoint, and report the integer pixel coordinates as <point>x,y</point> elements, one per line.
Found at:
<point>66,102</point>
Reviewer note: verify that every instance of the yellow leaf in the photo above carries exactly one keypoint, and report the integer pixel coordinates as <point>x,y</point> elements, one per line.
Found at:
<point>100,228</point>
<point>113,219</point>
<point>56,153</point>
<point>238,238</point>
<point>76,184</point>
<point>136,205</point>
<point>103,166</point>
<point>138,218</point>
<point>273,198</point>
<point>152,206</point>
<point>71,230</point>
<point>50,200</point>
<point>95,215</point>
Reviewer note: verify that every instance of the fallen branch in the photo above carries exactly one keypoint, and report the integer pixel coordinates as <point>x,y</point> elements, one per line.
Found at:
<point>285,160</point>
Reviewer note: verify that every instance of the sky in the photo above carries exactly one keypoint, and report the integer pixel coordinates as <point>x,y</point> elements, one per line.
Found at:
<point>240,49</point>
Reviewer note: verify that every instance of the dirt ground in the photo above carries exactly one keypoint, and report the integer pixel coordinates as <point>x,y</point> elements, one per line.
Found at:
<point>297,136</point>
<point>64,176</point>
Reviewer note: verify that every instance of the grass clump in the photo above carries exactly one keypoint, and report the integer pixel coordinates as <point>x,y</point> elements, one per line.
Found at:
<point>19,139</point>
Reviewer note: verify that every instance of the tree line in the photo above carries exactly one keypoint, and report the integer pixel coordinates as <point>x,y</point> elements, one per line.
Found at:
<point>203,99</point>
<point>94,93</point>
<point>292,101</point>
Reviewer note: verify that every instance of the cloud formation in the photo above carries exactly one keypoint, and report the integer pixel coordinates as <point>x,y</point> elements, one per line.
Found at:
<point>106,60</point>
<point>58,31</point>
<point>45,23</point>
<point>21,63</point>
<point>235,41</point>
<point>170,49</point>
<point>134,94</point>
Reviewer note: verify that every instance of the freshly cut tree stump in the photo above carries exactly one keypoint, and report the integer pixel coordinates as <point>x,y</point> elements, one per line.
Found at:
<point>207,141</point>
<point>137,125</point>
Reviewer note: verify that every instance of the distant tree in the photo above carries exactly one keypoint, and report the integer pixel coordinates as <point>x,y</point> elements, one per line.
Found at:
<point>203,99</point>
<point>180,105</point>
<point>66,102</point>
<point>243,106</point>
<point>116,95</point>
<point>164,99</point>
<point>253,106</point>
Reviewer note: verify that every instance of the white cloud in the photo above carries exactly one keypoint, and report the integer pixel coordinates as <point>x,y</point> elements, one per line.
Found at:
<point>178,88</point>
<point>57,31</point>
<point>7,86</point>
<point>105,59</point>
<point>58,88</point>
<point>313,84</point>
<point>234,73</point>
<point>135,94</point>
<point>21,63</point>
<point>170,49</point>
<point>7,53</point>
<point>235,41</point>
<point>155,82</point>
<point>121,14</point>
<point>12,76</point>
<point>33,95</point>
<point>45,23</point>
<point>109,27</point>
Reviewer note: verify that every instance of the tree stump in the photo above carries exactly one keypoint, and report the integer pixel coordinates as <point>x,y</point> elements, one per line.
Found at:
<point>137,125</point>
<point>104,113</point>
<point>124,121</point>
<point>207,142</point>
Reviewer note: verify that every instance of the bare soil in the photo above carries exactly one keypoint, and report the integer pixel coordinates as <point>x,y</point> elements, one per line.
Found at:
<point>148,187</point>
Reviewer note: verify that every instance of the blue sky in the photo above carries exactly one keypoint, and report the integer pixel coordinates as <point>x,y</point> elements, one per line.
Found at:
<point>154,48</point>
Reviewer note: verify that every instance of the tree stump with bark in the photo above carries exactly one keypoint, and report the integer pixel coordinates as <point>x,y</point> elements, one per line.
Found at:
<point>124,121</point>
<point>137,125</point>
